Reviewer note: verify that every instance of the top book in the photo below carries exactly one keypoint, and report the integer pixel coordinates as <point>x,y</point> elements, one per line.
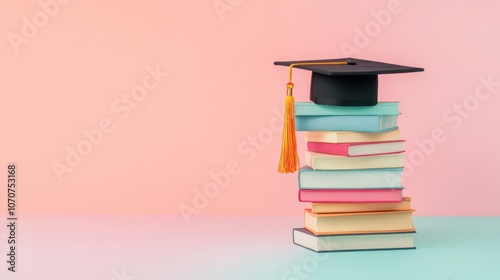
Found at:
<point>312,109</point>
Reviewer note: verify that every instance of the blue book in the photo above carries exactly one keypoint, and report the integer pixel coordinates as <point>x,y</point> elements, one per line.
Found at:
<point>380,178</point>
<point>346,123</point>
<point>312,109</point>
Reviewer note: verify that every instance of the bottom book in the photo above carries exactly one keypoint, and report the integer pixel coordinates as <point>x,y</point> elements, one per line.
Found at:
<point>353,242</point>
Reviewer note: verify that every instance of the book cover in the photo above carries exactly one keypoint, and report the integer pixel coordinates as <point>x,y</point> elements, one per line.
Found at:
<point>350,195</point>
<point>352,136</point>
<point>312,109</point>
<point>319,161</point>
<point>349,179</point>
<point>323,208</point>
<point>353,242</point>
<point>354,223</point>
<point>346,123</point>
<point>357,149</point>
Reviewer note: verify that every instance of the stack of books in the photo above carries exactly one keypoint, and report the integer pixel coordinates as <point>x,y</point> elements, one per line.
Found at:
<point>352,177</point>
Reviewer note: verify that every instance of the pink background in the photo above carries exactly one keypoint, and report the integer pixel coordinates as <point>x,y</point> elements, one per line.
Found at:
<point>223,90</point>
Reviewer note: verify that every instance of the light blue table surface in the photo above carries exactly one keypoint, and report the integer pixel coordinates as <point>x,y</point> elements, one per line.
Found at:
<point>135,247</point>
<point>448,248</point>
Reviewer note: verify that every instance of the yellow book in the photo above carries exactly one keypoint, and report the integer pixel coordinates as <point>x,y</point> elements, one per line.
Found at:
<point>323,208</point>
<point>354,223</point>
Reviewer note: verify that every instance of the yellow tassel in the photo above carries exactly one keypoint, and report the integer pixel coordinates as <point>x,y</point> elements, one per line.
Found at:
<point>289,160</point>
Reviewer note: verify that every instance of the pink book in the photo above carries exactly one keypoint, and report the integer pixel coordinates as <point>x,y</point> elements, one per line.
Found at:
<point>364,195</point>
<point>357,149</point>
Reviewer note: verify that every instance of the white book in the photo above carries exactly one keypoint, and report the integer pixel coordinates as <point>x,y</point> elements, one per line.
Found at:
<point>318,161</point>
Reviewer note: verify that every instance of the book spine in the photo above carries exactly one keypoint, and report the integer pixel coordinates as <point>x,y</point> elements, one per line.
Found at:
<point>351,137</point>
<point>311,109</point>
<point>328,148</point>
<point>321,208</point>
<point>378,178</point>
<point>338,123</point>
<point>319,161</point>
<point>340,196</point>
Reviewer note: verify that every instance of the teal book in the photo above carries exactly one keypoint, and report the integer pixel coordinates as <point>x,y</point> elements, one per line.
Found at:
<point>346,123</point>
<point>379,178</point>
<point>312,109</point>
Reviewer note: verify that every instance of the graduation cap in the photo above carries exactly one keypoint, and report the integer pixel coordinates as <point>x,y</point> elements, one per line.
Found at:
<point>337,82</point>
<point>346,81</point>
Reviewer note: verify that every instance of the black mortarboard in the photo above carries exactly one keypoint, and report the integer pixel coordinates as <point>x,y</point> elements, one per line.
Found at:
<point>354,83</point>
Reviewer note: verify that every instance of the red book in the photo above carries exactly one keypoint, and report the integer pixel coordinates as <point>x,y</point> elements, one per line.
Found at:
<point>343,195</point>
<point>357,149</point>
